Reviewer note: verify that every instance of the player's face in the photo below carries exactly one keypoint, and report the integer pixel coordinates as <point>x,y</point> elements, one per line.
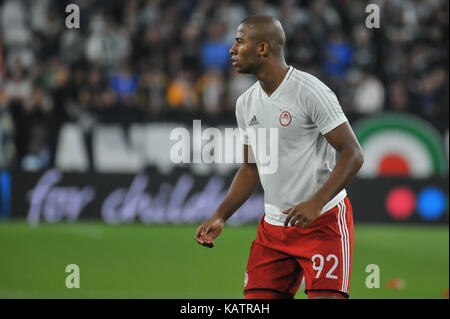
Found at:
<point>244,52</point>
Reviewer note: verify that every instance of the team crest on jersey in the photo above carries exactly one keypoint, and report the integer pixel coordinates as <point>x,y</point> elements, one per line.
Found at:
<point>285,117</point>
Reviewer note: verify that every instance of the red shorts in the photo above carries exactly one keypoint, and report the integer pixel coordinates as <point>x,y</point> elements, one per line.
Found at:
<point>281,257</point>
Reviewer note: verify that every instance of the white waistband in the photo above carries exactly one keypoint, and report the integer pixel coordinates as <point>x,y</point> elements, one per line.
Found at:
<point>274,215</point>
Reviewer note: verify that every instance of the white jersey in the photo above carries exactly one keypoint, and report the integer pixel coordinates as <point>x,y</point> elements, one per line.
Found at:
<point>303,110</point>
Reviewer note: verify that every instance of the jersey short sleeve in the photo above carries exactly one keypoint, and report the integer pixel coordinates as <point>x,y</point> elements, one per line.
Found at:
<point>321,104</point>
<point>240,119</point>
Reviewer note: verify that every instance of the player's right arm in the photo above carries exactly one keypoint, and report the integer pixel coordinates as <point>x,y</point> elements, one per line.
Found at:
<point>244,183</point>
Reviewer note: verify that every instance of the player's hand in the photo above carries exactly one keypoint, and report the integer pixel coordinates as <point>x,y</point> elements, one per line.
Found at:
<point>208,231</point>
<point>303,214</point>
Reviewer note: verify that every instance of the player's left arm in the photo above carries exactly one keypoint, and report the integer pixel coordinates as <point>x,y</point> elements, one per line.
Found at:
<point>351,158</point>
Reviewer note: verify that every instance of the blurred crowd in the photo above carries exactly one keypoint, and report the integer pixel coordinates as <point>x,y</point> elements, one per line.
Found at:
<point>158,60</point>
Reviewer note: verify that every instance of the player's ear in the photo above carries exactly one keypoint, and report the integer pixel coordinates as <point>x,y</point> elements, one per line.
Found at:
<point>263,49</point>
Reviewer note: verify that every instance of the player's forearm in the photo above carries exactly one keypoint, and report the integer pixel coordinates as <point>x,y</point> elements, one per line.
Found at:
<point>244,183</point>
<point>349,163</point>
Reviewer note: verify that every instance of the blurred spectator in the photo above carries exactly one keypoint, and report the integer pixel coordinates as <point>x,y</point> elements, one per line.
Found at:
<point>215,51</point>
<point>189,49</point>
<point>237,84</point>
<point>304,51</point>
<point>230,14</point>
<point>398,99</point>
<point>210,89</point>
<point>38,153</point>
<point>15,36</point>
<point>108,44</point>
<point>36,116</point>
<point>323,17</point>
<point>130,16</point>
<point>169,24</point>
<point>292,17</point>
<point>149,13</point>
<point>369,95</point>
<point>395,65</point>
<point>262,7</point>
<point>337,55</point>
<point>152,90</point>
<point>430,92</point>
<point>18,87</point>
<point>38,106</point>
<point>14,32</point>
<point>124,83</point>
<point>364,55</point>
<point>180,91</point>
<point>49,32</point>
<point>70,49</point>
<point>96,86</point>
<point>7,149</point>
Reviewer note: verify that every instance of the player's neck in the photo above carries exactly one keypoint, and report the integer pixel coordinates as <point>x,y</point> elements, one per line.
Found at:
<point>272,76</point>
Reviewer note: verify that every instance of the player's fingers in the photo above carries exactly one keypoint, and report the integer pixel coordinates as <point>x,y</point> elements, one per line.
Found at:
<point>294,219</point>
<point>302,222</point>
<point>205,230</point>
<point>299,222</point>
<point>208,243</point>
<point>207,237</point>
<point>199,231</point>
<point>288,217</point>
<point>286,211</point>
<point>200,234</point>
<point>198,238</point>
<point>286,221</point>
<point>205,240</point>
<point>305,223</point>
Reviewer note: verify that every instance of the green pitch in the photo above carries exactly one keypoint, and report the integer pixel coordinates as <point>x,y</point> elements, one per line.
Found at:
<point>138,261</point>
